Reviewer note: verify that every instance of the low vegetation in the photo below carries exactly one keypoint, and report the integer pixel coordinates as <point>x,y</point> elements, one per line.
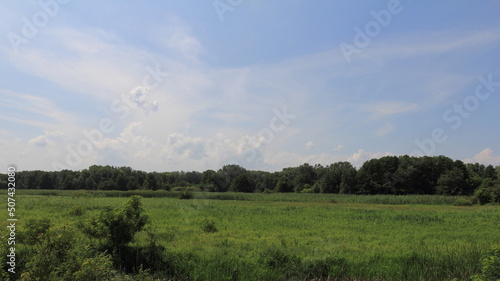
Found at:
<point>254,236</point>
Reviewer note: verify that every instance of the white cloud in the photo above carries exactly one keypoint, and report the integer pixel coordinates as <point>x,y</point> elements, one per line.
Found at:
<point>139,97</point>
<point>39,141</point>
<point>34,111</point>
<point>88,61</point>
<point>361,156</point>
<point>382,109</point>
<point>309,145</point>
<point>177,36</point>
<point>485,157</point>
<point>338,147</point>
<point>97,64</point>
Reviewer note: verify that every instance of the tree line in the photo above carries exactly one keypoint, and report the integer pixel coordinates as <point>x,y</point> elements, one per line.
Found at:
<point>398,175</point>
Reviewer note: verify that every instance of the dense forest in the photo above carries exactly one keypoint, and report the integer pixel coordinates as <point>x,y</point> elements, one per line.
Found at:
<point>387,175</point>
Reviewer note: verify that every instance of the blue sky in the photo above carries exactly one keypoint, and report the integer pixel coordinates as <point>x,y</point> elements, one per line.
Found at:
<point>195,85</point>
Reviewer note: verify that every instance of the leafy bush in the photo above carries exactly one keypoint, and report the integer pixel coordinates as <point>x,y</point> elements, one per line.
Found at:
<point>462,202</point>
<point>186,194</point>
<point>483,195</point>
<point>208,226</point>
<point>116,228</point>
<point>279,260</point>
<point>95,269</point>
<point>35,228</point>
<point>495,193</point>
<point>77,211</point>
<point>58,256</point>
<point>491,266</point>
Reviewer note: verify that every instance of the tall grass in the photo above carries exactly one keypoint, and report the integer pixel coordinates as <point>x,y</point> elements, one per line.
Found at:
<point>273,197</point>
<point>233,236</point>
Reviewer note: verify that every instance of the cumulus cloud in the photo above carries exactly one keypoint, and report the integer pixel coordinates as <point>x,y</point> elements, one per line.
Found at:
<point>39,141</point>
<point>485,157</point>
<point>49,137</point>
<point>138,98</point>
<point>361,156</point>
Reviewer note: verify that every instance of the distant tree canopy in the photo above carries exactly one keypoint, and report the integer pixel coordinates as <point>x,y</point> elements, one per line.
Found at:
<point>386,175</point>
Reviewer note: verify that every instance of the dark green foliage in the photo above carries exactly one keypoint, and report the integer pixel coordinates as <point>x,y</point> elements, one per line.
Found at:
<point>242,183</point>
<point>77,211</point>
<point>35,228</point>
<point>338,178</point>
<point>186,194</point>
<point>454,181</point>
<point>208,226</point>
<point>58,256</point>
<point>226,176</point>
<point>490,194</point>
<point>401,175</point>
<point>283,185</point>
<point>491,266</point>
<point>483,195</point>
<point>115,228</point>
<point>282,262</point>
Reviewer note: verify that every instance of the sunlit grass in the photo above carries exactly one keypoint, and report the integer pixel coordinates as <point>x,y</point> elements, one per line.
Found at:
<point>349,238</point>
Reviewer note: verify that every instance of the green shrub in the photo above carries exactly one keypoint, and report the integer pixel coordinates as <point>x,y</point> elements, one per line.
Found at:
<point>283,262</point>
<point>462,202</point>
<point>307,190</point>
<point>491,266</point>
<point>186,194</point>
<point>95,269</point>
<point>116,228</point>
<point>35,228</point>
<point>483,195</point>
<point>77,211</point>
<point>208,226</point>
<point>495,193</point>
<point>52,258</point>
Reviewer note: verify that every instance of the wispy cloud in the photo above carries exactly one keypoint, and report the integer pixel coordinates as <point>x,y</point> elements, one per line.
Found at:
<point>33,110</point>
<point>385,130</point>
<point>382,109</point>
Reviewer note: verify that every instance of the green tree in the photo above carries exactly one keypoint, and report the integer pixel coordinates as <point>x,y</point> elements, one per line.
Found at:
<point>228,173</point>
<point>454,181</point>
<point>213,181</point>
<point>283,185</point>
<point>338,178</point>
<point>242,183</point>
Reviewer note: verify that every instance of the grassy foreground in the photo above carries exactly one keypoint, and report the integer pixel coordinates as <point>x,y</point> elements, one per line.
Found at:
<point>297,236</point>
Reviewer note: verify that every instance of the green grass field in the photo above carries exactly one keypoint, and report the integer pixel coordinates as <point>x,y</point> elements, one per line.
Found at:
<point>296,236</point>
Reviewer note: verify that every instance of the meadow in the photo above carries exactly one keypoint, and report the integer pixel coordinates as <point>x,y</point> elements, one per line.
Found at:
<point>236,236</point>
